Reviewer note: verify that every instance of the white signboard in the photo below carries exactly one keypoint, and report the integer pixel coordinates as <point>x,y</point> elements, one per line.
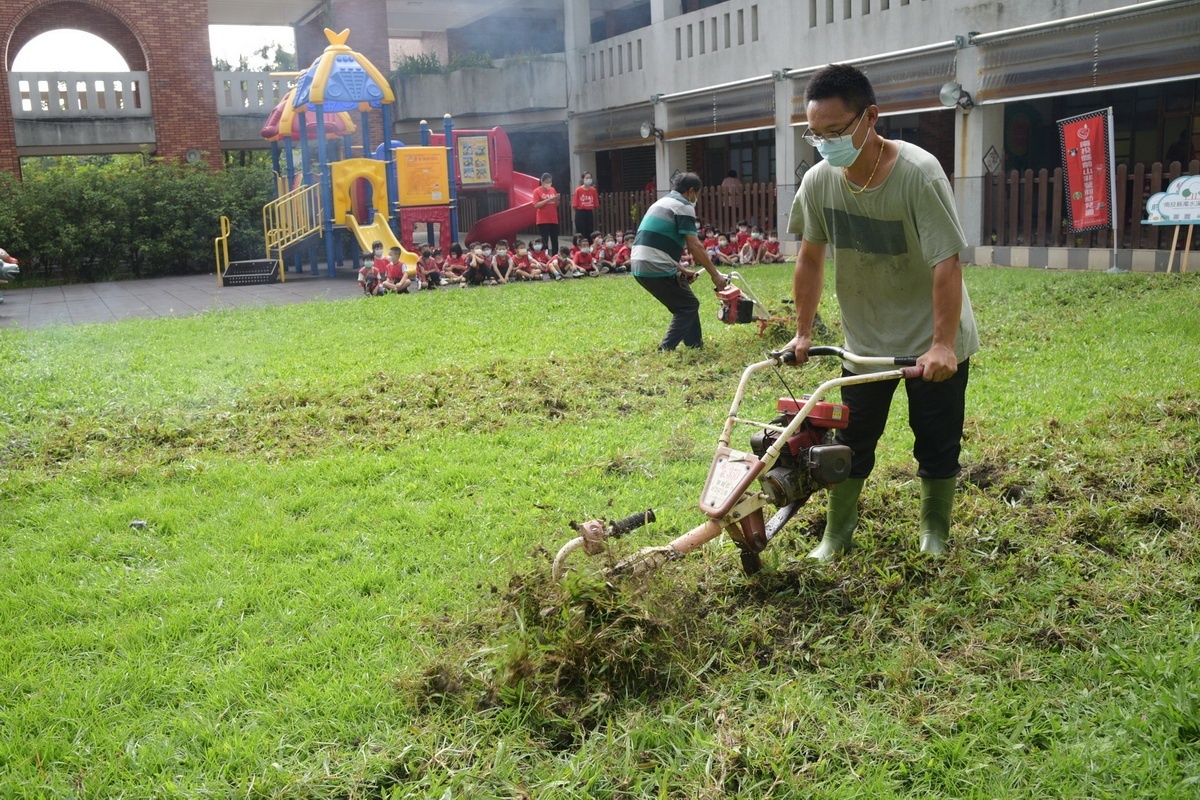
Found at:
<point>1178,205</point>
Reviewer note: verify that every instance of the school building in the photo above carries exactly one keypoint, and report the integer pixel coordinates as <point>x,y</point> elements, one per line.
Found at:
<point>654,87</point>
<point>637,90</point>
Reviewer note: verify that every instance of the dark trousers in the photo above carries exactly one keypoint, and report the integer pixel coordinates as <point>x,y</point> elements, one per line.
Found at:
<point>675,293</point>
<point>935,414</point>
<point>549,233</point>
<point>585,222</point>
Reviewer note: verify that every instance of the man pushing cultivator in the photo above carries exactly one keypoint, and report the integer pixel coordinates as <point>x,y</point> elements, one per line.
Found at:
<point>885,210</point>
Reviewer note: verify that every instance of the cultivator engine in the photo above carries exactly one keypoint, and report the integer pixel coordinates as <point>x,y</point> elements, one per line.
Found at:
<point>790,458</point>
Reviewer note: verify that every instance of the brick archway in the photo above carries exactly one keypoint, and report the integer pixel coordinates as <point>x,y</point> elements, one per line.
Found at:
<point>78,16</point>
<point>169,42</point>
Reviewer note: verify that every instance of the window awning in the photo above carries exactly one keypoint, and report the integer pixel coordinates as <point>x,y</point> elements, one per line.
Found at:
<point>612,129</point>
<point>907,83</point>
<point>740,108</point>
<point>1140,47</point>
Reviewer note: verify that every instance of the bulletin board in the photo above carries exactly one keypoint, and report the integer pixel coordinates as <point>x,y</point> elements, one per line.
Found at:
<point>474,161</point>
<point>423,176</point>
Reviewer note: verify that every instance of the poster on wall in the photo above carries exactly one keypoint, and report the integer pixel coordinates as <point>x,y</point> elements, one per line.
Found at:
<point>1086,142</point>
<point>474,161</point>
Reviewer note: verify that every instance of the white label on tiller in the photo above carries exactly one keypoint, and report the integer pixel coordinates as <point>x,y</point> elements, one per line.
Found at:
<point>730,475</point>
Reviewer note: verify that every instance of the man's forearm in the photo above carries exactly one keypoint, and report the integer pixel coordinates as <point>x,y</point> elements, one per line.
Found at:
<point>947,301</point>
<point>807,283</point>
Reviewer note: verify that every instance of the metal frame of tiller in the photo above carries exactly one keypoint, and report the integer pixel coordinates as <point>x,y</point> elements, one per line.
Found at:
<point>729,498</point>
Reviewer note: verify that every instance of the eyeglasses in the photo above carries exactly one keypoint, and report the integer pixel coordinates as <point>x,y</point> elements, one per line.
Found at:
<point>817,140</point>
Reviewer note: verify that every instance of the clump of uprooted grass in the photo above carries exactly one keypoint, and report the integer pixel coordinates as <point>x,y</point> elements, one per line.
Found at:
<point>1064,541</point>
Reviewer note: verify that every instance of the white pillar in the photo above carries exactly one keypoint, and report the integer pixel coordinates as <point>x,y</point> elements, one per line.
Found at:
<point>577,36</point>
<point>786,138</point>
<point>580,162</point>
<point>976,131</point>
<point>670,156</point>
<point>577,23</point>
<point>793,156</point>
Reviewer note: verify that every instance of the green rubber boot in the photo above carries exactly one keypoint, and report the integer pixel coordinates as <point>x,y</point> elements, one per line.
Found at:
<point>937,499</point>
<point>841,518</point>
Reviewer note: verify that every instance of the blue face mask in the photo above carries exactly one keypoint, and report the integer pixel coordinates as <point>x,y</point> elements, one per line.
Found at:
<point>841,152</point>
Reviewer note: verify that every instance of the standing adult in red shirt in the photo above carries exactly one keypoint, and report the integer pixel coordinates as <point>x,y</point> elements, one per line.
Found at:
<point>545,204</point>
<point>585,202</point>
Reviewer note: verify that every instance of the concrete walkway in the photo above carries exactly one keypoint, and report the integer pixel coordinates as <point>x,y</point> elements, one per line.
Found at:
<point>159,297</point>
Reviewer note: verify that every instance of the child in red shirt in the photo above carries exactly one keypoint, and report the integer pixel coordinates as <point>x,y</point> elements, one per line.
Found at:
<point>749,252</point>
<point>564,264</point>
<point>770,251</point>
<point>523,266</point>
<point>369,279</point>
<point>455,266</point>
<point>604,251</point>
<point>428,275</point>
<point>539,255</point>
<point>479,266</point>
<point>584,263</point>
<point>501,262</point>
<point>743,234</point>
<point>397,274</point>
<point>726,253</point>
<point>622,256</point>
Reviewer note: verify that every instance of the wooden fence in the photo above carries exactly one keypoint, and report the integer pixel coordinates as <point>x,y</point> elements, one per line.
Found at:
<point>623,211</point>
<point>1026,209</point>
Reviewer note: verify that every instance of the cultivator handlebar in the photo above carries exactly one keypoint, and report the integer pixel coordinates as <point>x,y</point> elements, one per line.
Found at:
<point>789,357</point>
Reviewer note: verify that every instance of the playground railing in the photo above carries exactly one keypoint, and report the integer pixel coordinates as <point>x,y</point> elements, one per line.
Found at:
<point>221,245</point>
<point>291,218</point>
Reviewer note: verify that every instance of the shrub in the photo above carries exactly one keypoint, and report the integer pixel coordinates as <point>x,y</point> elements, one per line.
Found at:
<point>96,219</point>
<point>420,64</point>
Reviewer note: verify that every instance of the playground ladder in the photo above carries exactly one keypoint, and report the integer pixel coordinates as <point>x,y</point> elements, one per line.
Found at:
<point>291,218</point>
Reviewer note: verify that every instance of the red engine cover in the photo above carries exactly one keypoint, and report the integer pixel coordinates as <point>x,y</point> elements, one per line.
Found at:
<point>823,415</point>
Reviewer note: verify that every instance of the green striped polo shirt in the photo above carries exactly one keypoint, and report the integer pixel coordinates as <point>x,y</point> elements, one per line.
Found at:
<point>662,237</point>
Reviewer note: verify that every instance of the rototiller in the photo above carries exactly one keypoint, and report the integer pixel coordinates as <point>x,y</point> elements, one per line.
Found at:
<point>740,305</point>
<point>789,459</point>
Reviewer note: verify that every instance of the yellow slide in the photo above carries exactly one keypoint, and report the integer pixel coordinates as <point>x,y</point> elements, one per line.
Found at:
<point>378,231</point>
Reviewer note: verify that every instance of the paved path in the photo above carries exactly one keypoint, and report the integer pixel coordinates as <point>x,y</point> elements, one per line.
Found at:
<point>159,297</point>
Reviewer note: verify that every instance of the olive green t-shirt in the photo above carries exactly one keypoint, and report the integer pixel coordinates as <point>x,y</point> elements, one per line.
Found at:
<point>885,243</point>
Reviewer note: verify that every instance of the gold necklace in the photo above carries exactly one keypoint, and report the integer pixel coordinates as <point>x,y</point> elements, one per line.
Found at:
<point>883,143</point>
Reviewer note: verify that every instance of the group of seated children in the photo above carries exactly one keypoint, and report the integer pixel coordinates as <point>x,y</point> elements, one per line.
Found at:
<point>746,245</point>
<point>479,265</point>
<point>598,254</point>
<point>389,275</point>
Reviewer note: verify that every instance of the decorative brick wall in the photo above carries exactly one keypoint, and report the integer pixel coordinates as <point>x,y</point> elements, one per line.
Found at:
<point>170,42</point>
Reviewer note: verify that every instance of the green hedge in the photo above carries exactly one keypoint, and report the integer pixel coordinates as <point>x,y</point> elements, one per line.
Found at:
<point>76,220</point>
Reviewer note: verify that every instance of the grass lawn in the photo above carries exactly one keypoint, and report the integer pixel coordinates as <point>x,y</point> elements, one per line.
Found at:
<point>303,551</point>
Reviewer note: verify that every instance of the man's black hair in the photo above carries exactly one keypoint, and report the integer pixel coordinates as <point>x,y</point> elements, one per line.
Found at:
<point>686,181</point>
<point>844,82</point>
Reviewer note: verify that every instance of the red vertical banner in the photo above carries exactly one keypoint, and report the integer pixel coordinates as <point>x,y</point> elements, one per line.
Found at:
<point>1087,167</point>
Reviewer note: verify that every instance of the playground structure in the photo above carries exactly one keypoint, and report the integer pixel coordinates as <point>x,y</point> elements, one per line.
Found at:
<point>380,197</point>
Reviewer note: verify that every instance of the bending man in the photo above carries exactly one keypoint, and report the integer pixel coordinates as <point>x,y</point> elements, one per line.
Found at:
<point>668,229</point>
